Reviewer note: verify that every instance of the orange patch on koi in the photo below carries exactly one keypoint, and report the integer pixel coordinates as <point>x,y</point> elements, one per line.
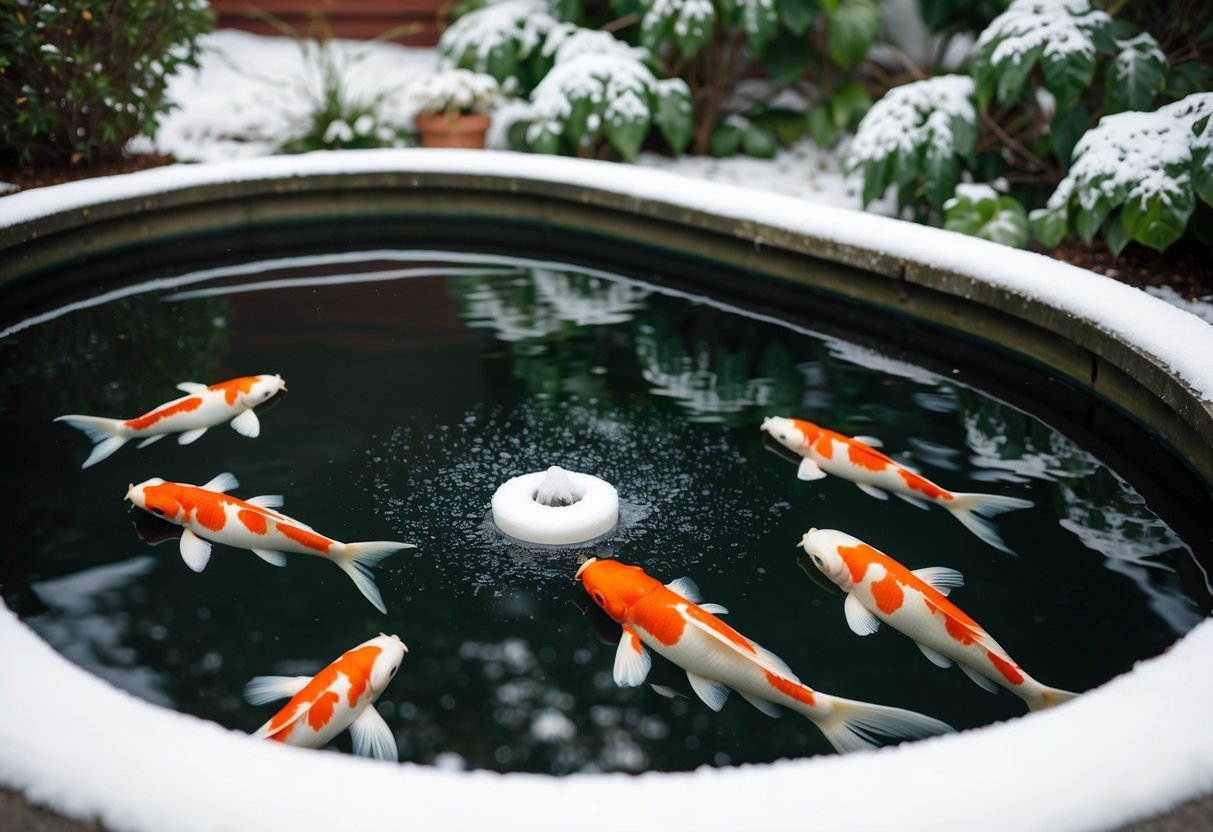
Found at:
<point>888,594</point>
<point>234,387</point>
<point>923,485</point>
<point>857,559</point>
<point>865,457</point>
<point>305,538</point>
<point>210,514</point>
<point>798,692</point>
<point>959,632</point>
<point>149,419</point>
<point>720,627</point>
<point>1008,670</point>
<point>322,710</point>
<point>824,446</point>
<point>253,521</point>
<point>662,622</point>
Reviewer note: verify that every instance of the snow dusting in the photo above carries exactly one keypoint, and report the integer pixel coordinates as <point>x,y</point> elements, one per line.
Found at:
<point>913,115</point>
<point>1053,27</point>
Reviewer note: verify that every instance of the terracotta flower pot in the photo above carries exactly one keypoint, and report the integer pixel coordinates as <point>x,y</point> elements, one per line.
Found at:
<point>453,130</point>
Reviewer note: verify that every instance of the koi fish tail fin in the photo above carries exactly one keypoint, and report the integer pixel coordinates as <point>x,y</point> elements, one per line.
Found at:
<point>973,509</point>
<point>107,435</point>
<point>1047,697</point>
<point>858,726</point>
<point>358,558</point>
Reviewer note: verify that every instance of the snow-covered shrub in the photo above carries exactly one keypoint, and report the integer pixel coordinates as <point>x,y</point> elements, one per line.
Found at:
<point>454,91</point>
<point>595,100</point>
<point>916,137</point>
<point>715,44</point>
<point>980,211</point>
<point>78,80</point>
<point>503,40</point>
<point>1135,176</point>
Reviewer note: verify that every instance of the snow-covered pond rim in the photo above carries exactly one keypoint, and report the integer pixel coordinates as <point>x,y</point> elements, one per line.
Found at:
<point>70,740</point>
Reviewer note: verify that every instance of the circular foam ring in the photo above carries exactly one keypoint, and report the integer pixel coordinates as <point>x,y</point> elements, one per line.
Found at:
<point>516,512</point>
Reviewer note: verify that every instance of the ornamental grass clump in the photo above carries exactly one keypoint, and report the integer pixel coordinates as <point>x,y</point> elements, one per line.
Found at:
<point>79,80</point>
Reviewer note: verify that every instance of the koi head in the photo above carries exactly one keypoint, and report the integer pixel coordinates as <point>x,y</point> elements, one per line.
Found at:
<point>614,586</point>
<point>791,433</point>
<point>156,497</point>
<point>390,657</point>
<point>821,545</point>
<point>262,390</point>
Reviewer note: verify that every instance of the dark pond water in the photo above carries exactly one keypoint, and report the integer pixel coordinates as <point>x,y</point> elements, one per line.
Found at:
<point>419,381</point>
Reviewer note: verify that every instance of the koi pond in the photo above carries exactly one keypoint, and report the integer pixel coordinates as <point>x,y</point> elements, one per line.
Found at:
<point>420,380</point>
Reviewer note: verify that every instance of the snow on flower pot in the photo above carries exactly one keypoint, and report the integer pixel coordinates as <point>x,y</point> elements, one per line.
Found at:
<point>453,107</point>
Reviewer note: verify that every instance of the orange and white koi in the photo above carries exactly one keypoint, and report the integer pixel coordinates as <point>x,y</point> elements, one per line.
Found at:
<point>191,415</point>
<point>340,696</point>
<point>671,620</point>
<point>880,589</point>
<point>209,515</point>
<point>856,459</point>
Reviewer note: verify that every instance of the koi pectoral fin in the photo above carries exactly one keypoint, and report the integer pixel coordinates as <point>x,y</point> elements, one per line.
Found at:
<point>195,551</point>
<point>809,470</point>
<point>632,660</point>
<point>190,436</point>
<point>247,424</point>
<point>859,618</point>
<point>263,689</point>
<point>872,491</point>
<point>713,694</point>
<point>371,736</point>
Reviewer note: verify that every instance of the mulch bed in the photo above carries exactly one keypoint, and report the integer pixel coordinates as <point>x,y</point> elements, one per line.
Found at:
<point>1187,267</point>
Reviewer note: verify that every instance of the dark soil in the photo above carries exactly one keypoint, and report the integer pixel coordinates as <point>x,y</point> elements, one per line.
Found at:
<point>1187,266</point>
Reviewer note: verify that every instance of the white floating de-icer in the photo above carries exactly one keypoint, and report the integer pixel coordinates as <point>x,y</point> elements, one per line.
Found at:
<point>556,507</point>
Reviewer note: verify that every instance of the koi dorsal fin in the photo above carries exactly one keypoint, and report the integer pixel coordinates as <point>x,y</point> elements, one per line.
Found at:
<point>267,501</point>
<point>686,588</point>
<point>940,578</point>
<point>222,483</point>
<point>191,387</point>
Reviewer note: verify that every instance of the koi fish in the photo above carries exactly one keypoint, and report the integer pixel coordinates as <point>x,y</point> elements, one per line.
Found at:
<point>856,459</point>
<point>671,620</point>
<point>210,515</point>
<point>340,696</point>
<point>880,589</point>
<point>191,415</point>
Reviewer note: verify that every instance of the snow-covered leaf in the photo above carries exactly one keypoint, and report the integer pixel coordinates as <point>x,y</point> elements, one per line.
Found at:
<point>1202,159</point>
<point>497,38</point>
<point>853,28</point>
<point>1060,34</point>
<point>979,211</point>
<point>1049,225</point>
<point>1140,170</point>
<point>674,116</point>
<point>1136,75</point>
<point>916,133</point>
<point>688,22</point>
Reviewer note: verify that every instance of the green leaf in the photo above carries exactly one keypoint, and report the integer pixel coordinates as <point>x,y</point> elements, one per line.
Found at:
<point>576,123</point>
<point>674,117</point>
<point>1067,74</point>
<point>1011,75</point>
<point>877,175</point>
<point>797,15</point>
<point>725,140</point>
<point>1049,226</point>
<point>655,29</point>
<point>1202,160</point>
<point>942,172</point>
<point>1066,129</point>
<point>1001,221</point>
<point>543,139</point>
<point>1136,75</point>
<point>758,140</point>
<point>821,125</point>
<point>787,58</point>
<point>1117,236</point>
<point>1088,220</point>
<point>759,19</point>
<point>627,135</point>
<point>1157,220</point>
<point>789,125</point>
<point>694,27</point>
<point>854,25</point>
<point>850,104</point>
